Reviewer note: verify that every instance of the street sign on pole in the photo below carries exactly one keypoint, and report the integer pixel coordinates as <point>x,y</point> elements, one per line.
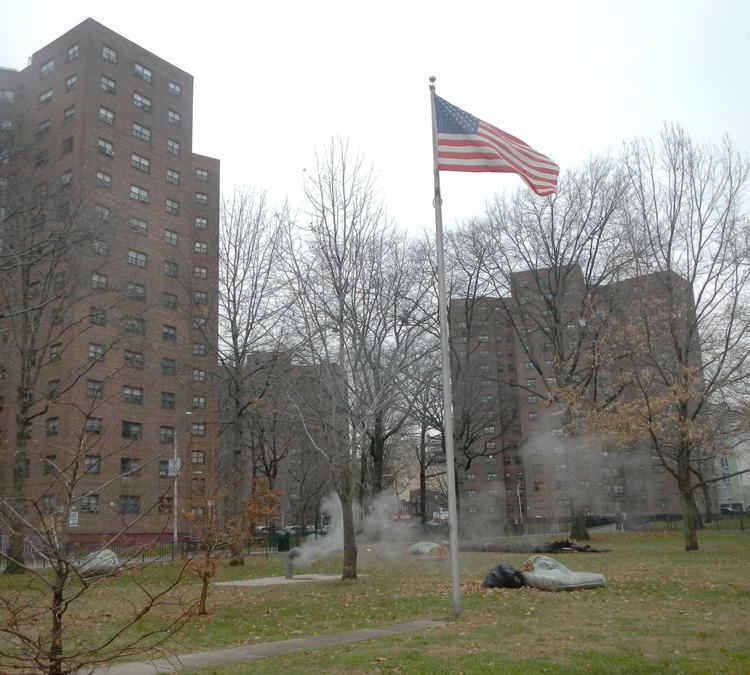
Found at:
<point>174,467</point>
<point>73,518</point>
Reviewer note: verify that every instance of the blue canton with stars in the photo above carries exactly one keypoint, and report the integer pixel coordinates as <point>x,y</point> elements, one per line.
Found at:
<point>453,120</point>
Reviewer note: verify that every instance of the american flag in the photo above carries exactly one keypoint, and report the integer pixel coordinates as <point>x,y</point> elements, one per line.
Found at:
<point>466,143</point>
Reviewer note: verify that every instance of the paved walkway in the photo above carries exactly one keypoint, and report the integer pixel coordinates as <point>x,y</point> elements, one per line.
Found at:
<point>220,657</point>
<point>280,581</point>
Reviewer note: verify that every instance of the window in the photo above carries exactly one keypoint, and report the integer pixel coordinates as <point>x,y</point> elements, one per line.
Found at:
<point>100,248</point>
<point>53,390</point>
<point>93,389</point>
<point>137,225</point>
<point>6,125</point>
<point>197,457</point>
<point>90,504</point>
<point>173,147</point>
<point>200,272</point>
<point>96,352</point>
<point>200,298</point>
<point>142,102</point>
<point>201,223</point>
<point>47,68</point>
<point>199,349</point>
<point>40,159</point>
<point>92,464</point>
<point>52,426</point>
<point>132,395</point>
<point>137,258</point>
<point>144,73</point>
<point>533,415</point>
<point>175,89</point>
<point>98,280</point>
<point>169,333</point>
<point>173,118</point>
<point>139,194</point>
<point>135,326</point>
<point>109,54</point>
<point>198,484</point>
<point>103,180</point>
<point>198,324</point>
<point>164,468</point>
<point>201,247</point>
<point>58,281</point>
<point>134,360</point>
<point>168,366</point>
<point>70,113</point>
<point>73,52</point>
<point>170,268</point>
<point>140,163</point>
<point>199,375</point>
<point>108,85</point>
<point>106,115</point>
<point>199,402</point>
<point>173,177</point>
<point>42,129</point>
<point>169,301</point>
<point>201,174</point>
<point>144,133</point>
<point>97,316</point>
<point>167,400</point>
<point>489,430</point>
<point>55,352</point>
<point>132,430</point>
<point>492,476</point>
<point>530,382</point>
<point>198,429</point>
<point>531,399</point>
<point>201,198</point>
<point>45,98</point>
<point>93,425</point>
<point>166,434</point>
<point>170,237</point>
<point>172,207</point>
<point>105,147</point>
<point>130,504</point>
<point>71,83</point>
<point>135,291</point>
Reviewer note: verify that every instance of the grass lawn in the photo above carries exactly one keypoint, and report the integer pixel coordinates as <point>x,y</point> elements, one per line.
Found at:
<point>664,610</point>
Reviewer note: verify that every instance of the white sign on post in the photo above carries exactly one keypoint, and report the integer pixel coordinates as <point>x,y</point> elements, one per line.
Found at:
<point>174,467</point>
<point>73,518</point>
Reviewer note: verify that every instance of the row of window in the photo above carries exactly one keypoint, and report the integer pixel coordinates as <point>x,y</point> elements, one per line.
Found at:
<point>140,226</point>
<point>170,269</point>
<point>134,431</point>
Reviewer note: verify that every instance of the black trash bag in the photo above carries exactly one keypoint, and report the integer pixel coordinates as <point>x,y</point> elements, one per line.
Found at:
<point>503,575</point>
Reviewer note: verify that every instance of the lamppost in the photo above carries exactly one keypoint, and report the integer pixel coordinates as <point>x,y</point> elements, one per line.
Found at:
<point>175,471</point>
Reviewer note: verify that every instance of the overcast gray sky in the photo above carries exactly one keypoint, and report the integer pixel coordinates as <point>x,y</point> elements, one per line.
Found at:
<point>275,79</point>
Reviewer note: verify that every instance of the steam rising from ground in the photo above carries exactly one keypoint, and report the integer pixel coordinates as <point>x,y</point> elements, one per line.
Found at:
<point>376,525</point>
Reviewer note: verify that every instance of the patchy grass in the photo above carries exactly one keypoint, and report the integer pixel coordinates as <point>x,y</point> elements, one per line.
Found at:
<point>664,610</point>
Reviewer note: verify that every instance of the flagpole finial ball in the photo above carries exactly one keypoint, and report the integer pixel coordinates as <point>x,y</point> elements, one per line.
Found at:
<point>432,78</point>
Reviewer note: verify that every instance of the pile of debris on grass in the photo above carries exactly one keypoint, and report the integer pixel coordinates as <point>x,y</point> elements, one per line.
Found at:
<point>516,546</point>
<point>542,573</point>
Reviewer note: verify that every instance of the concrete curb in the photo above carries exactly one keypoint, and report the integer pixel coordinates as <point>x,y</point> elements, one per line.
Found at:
<point>260,651</point>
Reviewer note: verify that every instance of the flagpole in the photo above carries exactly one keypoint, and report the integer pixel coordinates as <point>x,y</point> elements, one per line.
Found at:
<point>450,465</point>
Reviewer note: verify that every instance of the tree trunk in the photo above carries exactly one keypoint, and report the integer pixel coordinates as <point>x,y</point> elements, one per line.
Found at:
<point>578,529</point>
<point>689,524</point>
<point>377,452</point>
<point>707,503</point>
<point>56,632</point>
<point>350,542</point>
<point>204,595</point>
<point>423,475</point>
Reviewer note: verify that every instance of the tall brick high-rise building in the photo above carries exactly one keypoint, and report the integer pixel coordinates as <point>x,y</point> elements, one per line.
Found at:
<point>108,265</point>
<point>523,466</point>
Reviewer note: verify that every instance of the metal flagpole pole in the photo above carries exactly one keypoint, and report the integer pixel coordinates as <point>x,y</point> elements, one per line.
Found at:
<point>450,466</point>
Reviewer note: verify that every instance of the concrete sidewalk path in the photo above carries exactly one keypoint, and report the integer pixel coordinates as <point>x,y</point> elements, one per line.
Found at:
<point>220,657</point>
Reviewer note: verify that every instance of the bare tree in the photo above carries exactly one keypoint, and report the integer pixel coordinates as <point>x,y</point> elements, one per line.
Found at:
<point>549,259</point>
<point>681,350</point>
<point>327,270</point>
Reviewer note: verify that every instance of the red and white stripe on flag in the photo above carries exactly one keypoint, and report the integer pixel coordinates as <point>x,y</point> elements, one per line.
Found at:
<point>491,149</point>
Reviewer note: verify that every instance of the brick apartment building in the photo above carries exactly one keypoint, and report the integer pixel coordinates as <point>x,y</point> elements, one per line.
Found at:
<point>97,134</point>
<point>524,467</point>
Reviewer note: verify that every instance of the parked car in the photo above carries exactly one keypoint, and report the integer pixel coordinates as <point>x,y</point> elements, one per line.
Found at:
<point>729,510</point>
<point>294,529</point>
<point>326,529</point>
